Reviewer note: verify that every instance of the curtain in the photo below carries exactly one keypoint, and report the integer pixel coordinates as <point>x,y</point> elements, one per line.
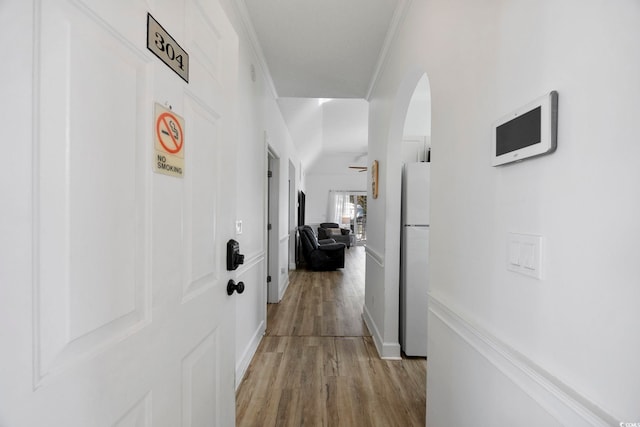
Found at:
<point>339,206</point>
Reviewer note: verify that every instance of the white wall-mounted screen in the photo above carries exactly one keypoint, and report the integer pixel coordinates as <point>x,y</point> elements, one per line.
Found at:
<point>527,132</point>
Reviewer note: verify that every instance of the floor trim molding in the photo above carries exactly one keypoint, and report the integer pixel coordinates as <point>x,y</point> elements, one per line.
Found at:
<point>249,352</point>
<point>284,284</point>
<point>387,351</point>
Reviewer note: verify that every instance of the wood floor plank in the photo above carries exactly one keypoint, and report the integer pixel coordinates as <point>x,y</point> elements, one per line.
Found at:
<point>318,365</point>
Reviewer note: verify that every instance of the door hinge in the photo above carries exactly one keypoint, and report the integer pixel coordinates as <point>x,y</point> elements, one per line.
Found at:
<point>269,174</point>
<point>268,279</point>
<point>269,227</point>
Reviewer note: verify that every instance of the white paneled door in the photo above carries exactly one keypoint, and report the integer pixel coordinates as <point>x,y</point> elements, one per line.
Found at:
<point>114,310</point>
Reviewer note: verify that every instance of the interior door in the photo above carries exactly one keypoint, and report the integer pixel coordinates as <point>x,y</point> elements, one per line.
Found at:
<point>114,308</point>
<point>272,294</point>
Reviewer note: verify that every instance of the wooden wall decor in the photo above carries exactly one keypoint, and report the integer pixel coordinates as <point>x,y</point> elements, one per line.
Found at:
<point>374,179</point>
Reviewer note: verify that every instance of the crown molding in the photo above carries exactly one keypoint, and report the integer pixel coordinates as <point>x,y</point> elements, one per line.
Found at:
<point>398,16</point>
<point>243,13</point>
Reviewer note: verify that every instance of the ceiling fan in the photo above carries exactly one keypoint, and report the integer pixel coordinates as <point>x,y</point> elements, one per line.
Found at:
<point>359,168</point>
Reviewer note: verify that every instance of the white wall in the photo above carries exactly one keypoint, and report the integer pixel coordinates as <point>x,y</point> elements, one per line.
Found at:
<point>261,120</point>
<point>563,348</point>
<point>416,133</point>
<point>317,192</point>
<point>418,119</point>
<point>415,148</point>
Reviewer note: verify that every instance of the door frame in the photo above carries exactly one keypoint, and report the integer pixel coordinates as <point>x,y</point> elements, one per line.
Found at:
<point>272,214</point>
<point>293,204</point>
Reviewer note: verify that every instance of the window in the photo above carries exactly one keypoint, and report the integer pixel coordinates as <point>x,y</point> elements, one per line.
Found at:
<point>349,209</point>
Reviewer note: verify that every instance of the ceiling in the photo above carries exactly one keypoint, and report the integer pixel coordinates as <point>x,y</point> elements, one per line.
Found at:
<point>335,129</point>
<point>314,49</point>
<point>321,48</point>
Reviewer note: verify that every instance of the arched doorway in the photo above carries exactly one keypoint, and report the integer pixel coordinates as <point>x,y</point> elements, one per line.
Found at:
<point>415,222</point>
<point>406,107</point>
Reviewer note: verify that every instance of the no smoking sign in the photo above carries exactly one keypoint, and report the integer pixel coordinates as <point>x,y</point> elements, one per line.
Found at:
<point>169,142</point>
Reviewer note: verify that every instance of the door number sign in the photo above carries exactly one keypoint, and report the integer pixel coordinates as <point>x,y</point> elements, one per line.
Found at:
<point>169,142</point>
<point>166,48</point>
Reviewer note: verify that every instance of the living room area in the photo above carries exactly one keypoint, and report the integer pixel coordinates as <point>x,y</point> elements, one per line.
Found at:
<point>346,219</point>
<point>323,241</point>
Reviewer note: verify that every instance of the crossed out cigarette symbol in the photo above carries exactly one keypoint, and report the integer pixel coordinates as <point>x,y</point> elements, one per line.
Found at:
<point>169,133</point>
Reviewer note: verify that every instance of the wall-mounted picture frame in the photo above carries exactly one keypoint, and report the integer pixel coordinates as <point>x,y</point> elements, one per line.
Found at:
<point>374,179</point>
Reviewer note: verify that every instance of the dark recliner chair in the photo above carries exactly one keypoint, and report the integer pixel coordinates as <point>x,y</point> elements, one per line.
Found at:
<point>320,255</point>
<point>331,230</point>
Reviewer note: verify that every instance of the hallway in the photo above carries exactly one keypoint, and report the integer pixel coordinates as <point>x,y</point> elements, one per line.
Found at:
<point>317,364</point>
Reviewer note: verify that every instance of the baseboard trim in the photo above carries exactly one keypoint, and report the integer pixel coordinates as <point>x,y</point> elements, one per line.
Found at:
<point>558,399</point>
<point>249,352</point>
<point>284,285</point>
<point>387,351</point>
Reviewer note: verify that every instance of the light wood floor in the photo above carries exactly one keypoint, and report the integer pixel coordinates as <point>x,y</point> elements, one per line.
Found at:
<point>318,365</point>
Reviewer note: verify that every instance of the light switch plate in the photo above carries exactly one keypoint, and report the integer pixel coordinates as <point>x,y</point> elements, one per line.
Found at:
<point>528,255</point>
<point>524,254</point>
<point>238,227</point>
<point>514,253</point>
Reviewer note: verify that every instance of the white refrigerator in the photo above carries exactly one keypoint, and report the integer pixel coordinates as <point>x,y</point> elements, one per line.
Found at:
<point>414,258</point>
